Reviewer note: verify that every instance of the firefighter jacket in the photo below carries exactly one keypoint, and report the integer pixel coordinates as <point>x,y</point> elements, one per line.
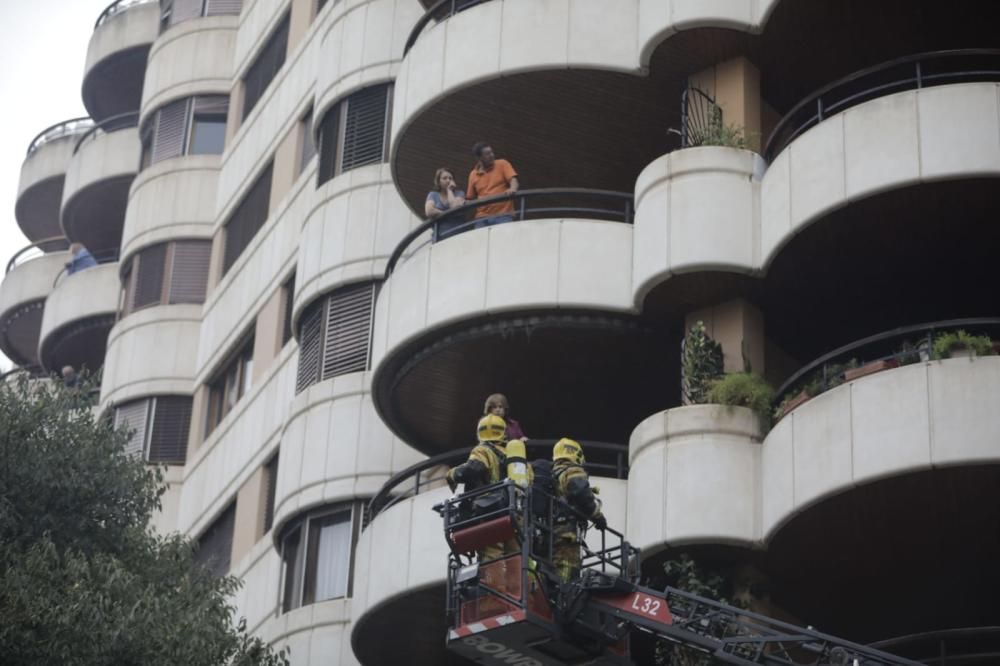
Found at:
<point>485,466</point>
<point>572,483</point>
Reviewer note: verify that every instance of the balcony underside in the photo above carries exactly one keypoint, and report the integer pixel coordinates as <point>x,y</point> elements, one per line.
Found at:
<point>95,215</point>
<point>20,329</point>
<point>37,209</point>
<point>80,344</point>
<point>114,85</point>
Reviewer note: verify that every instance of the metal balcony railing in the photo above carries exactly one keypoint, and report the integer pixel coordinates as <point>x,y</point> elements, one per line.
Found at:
<point>108,125</point>
<point>949,647</point>
<point>104,257</point>
<point>912,72</point>
<point>118,7</point>
<point>441,11</point>
<point>551,203</point>
<point>58,131</point>
<point>430,473</point>
<point>35,250</point>
<point>701,118</point>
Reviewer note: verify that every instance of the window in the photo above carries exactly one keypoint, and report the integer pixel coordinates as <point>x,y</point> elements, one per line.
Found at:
<point>173,12</point>
<point>307,146</point>
<point>247,218</point>
<point>189,126</point>
<point>230,384</point>
<point>270,485</point>
<point>175,272</point>
<point>215,545</point>
<point>355,132</point>
<point>159,427</point>
<point>287,301</point>
<point>334,334</point>
<point>265,66</point>
<point>317,554</point>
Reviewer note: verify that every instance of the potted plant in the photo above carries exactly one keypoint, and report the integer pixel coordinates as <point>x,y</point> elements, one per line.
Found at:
<point>744,389</point>
<point>850,374</point>
<point>959,344</point>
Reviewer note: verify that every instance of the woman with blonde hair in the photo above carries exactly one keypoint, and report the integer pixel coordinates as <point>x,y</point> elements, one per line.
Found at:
<point>444,196</point>
<point>497,404</point>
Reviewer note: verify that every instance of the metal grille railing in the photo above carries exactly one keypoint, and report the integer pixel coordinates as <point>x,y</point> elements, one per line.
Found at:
<point>701,117</point>
<point>37,249</point>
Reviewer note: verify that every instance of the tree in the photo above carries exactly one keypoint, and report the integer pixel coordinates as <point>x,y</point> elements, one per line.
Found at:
<point>82,578</point>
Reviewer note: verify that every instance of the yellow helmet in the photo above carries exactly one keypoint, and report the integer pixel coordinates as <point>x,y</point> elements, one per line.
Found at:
<point>568,449</point>
<point>491,428</point>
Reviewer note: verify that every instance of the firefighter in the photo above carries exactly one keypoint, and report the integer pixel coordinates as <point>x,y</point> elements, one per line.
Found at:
<point>572,484</point>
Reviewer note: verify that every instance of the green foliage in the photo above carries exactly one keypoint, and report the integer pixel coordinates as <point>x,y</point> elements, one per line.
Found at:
<point>82,581</point>
<point>945,343</point>
<point>744,389</point>
<point>718,133</point>
<point>701,363</point>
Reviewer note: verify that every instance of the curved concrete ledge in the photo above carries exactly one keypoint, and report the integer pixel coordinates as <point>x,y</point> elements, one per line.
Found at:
<point>693,478</point>
<point>696,209</point>
<point>356,223</point>
<point>150,352</point>
<point>193,57</point>
<point>90,293</point>
<point>171,199</point>
<point>466,277</point>
<point>116,60</point>
<point>334,448</point>
<point>520,36</point>
<point>22,297</point>
<point>912,418</point>
<point>363,45</point>
<point>39,191</point>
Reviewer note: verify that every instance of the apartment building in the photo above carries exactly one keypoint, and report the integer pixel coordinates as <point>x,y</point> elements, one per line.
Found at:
<point>815,181</point>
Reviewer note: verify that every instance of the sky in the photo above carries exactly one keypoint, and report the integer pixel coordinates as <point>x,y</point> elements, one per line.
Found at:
<point>43,47</point>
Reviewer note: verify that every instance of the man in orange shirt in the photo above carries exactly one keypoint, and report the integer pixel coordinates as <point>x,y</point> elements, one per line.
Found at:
<point>488,178</point>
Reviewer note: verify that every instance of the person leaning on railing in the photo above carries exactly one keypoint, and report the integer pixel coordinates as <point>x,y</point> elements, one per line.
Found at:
<point>80,259</point>
<point>444,196</point>
<point>491,177</point>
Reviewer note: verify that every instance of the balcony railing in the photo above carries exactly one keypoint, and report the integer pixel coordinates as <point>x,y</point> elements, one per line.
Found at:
<point>889,349</point>
<point>552,203</point>
<point>110,124</point>
<point>35,250</point>
<point>118,7</point>
<point>58,131</point>
<point>949,647</point>
<point>430,473</point>
<point>441,11</point>
<point>909,73</point>
<point>105,257</point>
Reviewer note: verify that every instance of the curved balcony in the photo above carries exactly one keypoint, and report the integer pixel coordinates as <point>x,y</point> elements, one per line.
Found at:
<point>78,315</point>
<point>27,282</point>
<point>100,173</point>
<point>40,189</point>
<point>556,316</point>
<point>116,57</point>
<point>151,352</point>
<point>193,57</point>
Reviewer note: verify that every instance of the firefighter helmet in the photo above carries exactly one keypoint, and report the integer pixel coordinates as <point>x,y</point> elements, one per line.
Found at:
<point>491,428</point>
<point>568,449</point>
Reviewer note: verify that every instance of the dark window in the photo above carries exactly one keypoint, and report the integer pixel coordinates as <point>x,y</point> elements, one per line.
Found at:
<point>173,12</point>
<point>270,486</point>
<point>247,218</point>
<point>189,126</point>
<point>287,301</point>
<point>159,428</point>
<point>307,147</point>
<point>265,66</point>
<point>149,268</point>
<point>215,545</point>
<point>334,334</point>
<point>317,554</point>
<point>208,125</point>
<point>355,132</point>
<point>230,384</point>
<point>182,265</point>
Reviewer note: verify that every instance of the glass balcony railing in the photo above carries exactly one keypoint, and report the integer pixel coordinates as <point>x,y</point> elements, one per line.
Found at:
<point>116,8</point>
<point>59,131</point>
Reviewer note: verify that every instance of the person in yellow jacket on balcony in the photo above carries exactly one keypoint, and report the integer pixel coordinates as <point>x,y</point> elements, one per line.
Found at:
<point>572,483</point>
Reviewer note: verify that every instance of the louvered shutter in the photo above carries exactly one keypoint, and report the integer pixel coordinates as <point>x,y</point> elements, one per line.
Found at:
<point>184,10</point>
<point>189,273</point>
<point>310,345</point>
<point>248,218</point>
<point>365,127</point>
<point>220,7</point>
<point>348,329</point>
<point>168,135</point>
<point>169,436</point>
<point>270,487</point>
<point>149,276</point>
<point>215,546</point>
<point>133,416</point>
<point>329,139</point>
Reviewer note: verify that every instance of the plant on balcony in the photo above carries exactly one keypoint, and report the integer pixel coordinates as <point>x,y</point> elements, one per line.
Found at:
<point>701,363</point>
<point>822,380</point>
<point>719,134</point>
<point>947,345</point>
<point>744,389</point>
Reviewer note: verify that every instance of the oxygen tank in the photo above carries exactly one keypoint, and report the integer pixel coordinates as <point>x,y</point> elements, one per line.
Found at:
<point>517,462</point>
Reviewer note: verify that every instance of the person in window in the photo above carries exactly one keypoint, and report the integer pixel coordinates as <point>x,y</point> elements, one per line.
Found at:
<point>444,196</point>
<point>491,177</point>
<point>497,405</point>
<point>80,259</point>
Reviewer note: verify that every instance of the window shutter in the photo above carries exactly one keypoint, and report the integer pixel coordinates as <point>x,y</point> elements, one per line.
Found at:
<point>168,136</point>
<point>329,139</point>
<point>271,484</point>
<point>213,104</point>
<point>310,346</point>
<point>189,274</point>
<point>169,436</point>
<point>132,416</point>
<point>149,277</point>
<point>215,546</point>
<point>184,10</point>
<point>348,329</point>
<point>247,219</point>
<point>220,7</point>
<point>265,66</point>
<point>365,127</point>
